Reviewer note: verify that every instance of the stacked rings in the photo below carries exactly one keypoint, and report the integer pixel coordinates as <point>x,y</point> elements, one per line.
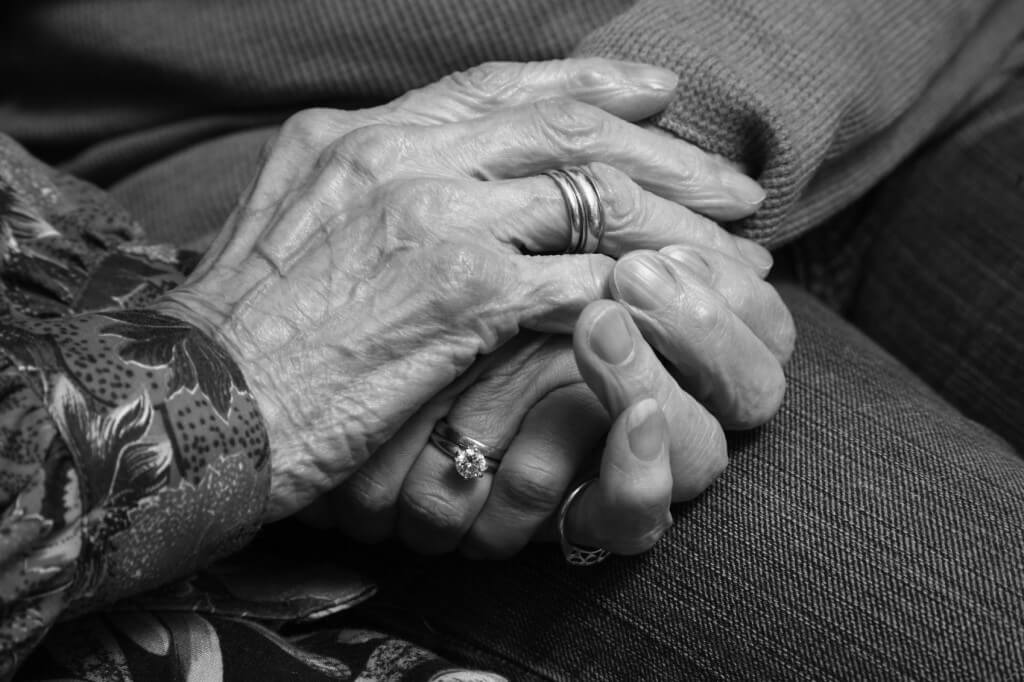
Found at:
<point>472,458</point>
<point>583,204</point>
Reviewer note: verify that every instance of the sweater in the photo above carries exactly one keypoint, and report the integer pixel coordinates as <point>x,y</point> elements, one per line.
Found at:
<point>821,98</point>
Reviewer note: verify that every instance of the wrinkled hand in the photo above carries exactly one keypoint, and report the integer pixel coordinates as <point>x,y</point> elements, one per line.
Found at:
<point>722,331</point>
<point>378,254</point>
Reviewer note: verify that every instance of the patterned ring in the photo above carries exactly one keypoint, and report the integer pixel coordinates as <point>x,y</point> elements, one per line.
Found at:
<point>574,554</point>
<point>472,458</point>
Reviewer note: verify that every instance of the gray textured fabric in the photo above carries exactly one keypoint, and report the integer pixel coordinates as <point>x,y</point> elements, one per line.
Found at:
<point>942,286</point>
<point>869,532</point>
<point>820,97</point>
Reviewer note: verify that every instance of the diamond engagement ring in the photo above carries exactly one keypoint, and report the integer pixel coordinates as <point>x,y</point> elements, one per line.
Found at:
<point>584,206</point>
<point>575,554</point>
<point>472,458</point>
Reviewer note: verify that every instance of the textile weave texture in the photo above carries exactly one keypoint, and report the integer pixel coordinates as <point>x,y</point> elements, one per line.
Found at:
<point>869,531</point>
<point>821,98</point>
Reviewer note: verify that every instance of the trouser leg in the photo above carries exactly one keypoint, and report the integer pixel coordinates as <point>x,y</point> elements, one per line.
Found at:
<point>943,283</point>
<point>870,531</point>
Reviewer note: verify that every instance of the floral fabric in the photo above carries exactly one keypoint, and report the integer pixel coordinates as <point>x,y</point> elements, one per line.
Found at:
<point>132,454</point>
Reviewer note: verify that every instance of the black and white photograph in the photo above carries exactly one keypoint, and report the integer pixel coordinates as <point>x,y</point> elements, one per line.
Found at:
<point>500,340</point>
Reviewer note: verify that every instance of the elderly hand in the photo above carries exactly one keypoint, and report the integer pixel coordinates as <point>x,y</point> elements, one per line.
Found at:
<point>368,267</point>
<point>721,329</point>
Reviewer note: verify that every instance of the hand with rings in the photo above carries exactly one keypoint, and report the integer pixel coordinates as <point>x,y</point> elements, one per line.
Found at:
<point>721,334</point>
<point>530,424</point>
<point>378,254</point>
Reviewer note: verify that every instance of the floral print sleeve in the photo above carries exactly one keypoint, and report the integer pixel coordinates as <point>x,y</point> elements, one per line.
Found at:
<point>131,450</point>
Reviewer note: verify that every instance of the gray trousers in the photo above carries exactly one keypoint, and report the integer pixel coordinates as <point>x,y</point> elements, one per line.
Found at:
<point>873,530</point>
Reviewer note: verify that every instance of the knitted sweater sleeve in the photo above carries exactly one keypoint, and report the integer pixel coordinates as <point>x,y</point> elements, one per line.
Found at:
<point>821,98</point>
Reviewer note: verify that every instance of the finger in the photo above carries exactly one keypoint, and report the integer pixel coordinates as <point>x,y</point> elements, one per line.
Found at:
<point>552,291</point>
<point>437,506</point>
<point>754,301</point>
<point>626,510</point>
<point>735,165</point>
<point>626,89</point>
<point>530,214</point>
<point>713,354</point>
<point>622,369</point>
<point>557,436</point>
<point>365,505</point>
<point>526,140</point>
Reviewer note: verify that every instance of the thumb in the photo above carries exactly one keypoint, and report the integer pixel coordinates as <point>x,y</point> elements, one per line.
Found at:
<point>626,510</point>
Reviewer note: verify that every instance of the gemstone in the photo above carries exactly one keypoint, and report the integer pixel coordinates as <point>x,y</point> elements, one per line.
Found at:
<point>470,463</point>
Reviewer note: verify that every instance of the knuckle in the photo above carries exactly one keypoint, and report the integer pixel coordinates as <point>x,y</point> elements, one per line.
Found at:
<point>268,146</point>
<point>465,271</point>
<point>531,487</point>
<point>707,233</point>
<point>706,316</point>
<point>590,73</point>
<point>758,399</point>
<point>368,494</point>
<point>623,200</point>
<point>308,127</point>
<point>366,153</point>
<point>431,509</point>
<point>415,201</point>
<point>488,84</point>
<point>569,126</point>
<point>695,171</point>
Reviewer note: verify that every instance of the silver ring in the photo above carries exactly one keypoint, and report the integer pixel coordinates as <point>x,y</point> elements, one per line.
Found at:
<point>472,458</point>
<point>584,206</point>
<point>575,554</point>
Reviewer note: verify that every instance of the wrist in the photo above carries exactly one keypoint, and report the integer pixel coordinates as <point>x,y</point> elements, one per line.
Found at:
<point>286,438</point>
<point>164,433</point>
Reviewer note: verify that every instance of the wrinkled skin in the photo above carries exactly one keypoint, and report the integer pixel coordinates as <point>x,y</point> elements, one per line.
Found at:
<point>378,254</point>
<point>725,334</point>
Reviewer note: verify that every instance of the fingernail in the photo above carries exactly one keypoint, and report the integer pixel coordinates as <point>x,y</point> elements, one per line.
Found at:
<point>610,338</point>
<point>693,261</point>
<point>756,255</point>
<point>642,282</point>
<point>742,188</point>
<point>650,77</point>
<point>647,430</point>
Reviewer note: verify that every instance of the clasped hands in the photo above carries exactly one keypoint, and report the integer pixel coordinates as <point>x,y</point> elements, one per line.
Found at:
<point>382,272</point>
